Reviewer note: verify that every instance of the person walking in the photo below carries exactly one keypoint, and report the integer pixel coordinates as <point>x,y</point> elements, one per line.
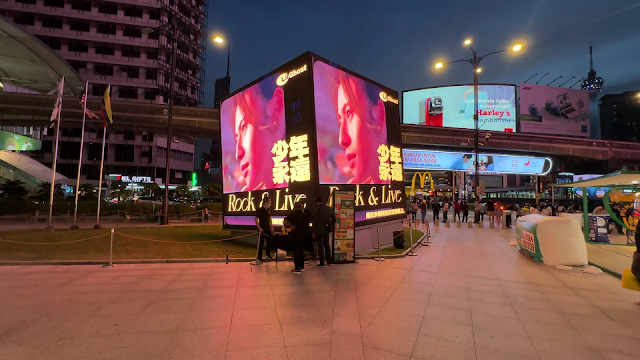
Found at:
<point>206,215</point>
<point>465,211</point>
<point>265,229</point>
<point>481,210</point>
<point>491,209</point>
<point>498,214</point>
<point>456,209</point>
<point>436,211</point>
<point>414,210</point>
<point>324,220</point>
<point>299,224</point>
<point>445,211</point>
<point>423,209</point>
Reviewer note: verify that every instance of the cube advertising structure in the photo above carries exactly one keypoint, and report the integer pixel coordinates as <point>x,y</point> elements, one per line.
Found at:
<point>307,129</point>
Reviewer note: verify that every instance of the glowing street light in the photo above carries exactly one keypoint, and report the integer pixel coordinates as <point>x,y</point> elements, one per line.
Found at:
<point>467,42</point>
<point>218,39</point>
<point>517,47</point>
<point>439,65</point>
<point>479,70</point>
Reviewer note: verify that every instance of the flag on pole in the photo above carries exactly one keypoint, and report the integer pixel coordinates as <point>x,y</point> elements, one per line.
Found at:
<point>57,108</point>
<point>83,100</point>
<point>107,116</point>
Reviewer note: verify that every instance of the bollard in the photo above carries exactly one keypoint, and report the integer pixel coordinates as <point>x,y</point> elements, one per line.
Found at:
<point>411,253</point>
<point>481,224</point>
<point>110,251</point>
<point>470,225</point>
<point>492,225</point>
<point>447,224</point>
<point>380,258</point>
<point>436,223</point>
<point>459,224</point>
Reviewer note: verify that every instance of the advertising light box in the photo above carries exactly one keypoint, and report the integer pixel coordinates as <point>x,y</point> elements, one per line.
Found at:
<point>554,110</point>
<point>453,106</point>
<point>418,159</point>
<point>11,141</point>
<point>304,130</point>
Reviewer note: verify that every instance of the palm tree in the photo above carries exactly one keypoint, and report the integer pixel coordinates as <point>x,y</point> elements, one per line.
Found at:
<point>153,190</point>
<point>87,191</point>
<point>183,192</point>
<point>119,189</point>
<point>45,190</point>
<point>13,189</point>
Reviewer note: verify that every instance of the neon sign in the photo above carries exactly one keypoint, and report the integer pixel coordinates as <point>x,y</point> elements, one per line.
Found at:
<point>298,168</point>
<point>284,77</point>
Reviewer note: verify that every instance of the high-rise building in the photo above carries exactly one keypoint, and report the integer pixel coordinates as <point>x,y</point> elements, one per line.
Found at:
<point>124,43</point>
<point>620,116</point>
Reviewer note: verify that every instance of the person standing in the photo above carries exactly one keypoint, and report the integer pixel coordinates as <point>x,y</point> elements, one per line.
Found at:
<point>435,207</point>
<point>206,215</point>
<point>465,211</point>
<point>299,224</point>
<point>423,209</point>
<point>324,220</point>
<point>445,211</point>
<point>456,209</point>
<point>414,210</point>
<point>481,210</point>
<point>498,213</point>
<point>491,209</point>
<point>265,229</point>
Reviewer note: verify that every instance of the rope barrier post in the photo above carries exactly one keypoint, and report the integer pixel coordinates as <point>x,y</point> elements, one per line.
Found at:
<point>111,251</point>
<point>379,258</point>
<point>411,253</point>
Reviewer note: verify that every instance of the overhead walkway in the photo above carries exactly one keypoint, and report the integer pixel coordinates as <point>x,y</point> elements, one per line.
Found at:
<point>16,166</point>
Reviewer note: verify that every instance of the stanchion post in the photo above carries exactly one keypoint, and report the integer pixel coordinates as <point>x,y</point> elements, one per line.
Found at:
<point>379,258</point>
<point>202,217</point>
<point>111,251</point>
<point>118,219</point>
<point>411,253</point>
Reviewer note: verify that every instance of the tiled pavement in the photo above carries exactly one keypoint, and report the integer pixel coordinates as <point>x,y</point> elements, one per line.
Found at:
<point>467,296</point>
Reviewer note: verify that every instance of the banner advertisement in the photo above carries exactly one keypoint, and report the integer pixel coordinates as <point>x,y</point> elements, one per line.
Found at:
<point>11,141</point>
<point>554,110</point>
<point>453,106</point>
<point>344,241</point>
<point>417,159</point>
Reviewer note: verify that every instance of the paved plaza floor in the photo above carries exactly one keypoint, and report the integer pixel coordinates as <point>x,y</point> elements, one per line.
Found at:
<point>469,295</point>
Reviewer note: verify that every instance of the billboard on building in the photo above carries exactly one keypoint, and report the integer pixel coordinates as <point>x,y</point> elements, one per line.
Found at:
<point>554,110</point>
<point>419,159</point>
<point>11,141</point>
<point>453,106</point>
<point>304,130</point>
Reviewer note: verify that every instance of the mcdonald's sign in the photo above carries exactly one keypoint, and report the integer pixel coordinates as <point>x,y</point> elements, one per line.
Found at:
<point>422,176</point>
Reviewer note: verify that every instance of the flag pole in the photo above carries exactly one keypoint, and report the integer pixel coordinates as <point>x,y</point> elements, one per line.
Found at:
<point>84,117</point>
<point>104,138</point>
<point>55,153</point>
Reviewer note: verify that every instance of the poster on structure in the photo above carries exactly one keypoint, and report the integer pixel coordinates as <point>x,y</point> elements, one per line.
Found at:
<point>344,238</point>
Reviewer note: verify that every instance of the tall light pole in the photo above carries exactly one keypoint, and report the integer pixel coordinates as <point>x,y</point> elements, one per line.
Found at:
<point>475,64</point>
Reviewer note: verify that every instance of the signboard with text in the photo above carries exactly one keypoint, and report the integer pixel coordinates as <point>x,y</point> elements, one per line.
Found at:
<point>306,129</point>
<point>419,159</point>
<point>554,110</point>
<point>344,234</point>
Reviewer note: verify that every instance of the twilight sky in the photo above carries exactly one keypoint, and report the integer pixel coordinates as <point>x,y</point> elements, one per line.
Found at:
<point>396,42</point>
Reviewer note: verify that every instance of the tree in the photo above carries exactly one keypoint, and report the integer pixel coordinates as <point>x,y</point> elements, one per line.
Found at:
<point>213,190</point>
<point>119,190</point>
<point>45,191</point>
<point>153,190</point>
<point>183,192</point>
<point>13,189</point>
<point>87,191</point>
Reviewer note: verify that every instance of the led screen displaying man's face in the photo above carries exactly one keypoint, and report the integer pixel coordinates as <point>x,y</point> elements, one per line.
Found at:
<point>350,127</point>
<point>251,122</point>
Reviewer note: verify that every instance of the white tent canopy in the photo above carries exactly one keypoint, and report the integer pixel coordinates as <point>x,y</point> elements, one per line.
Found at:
<point>618,178</point>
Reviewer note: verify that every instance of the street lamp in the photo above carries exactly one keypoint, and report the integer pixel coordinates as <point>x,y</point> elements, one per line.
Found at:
<point>475,63</point>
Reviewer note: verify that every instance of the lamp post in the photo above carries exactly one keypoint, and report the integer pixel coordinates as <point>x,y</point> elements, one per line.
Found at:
<point>475,64</point>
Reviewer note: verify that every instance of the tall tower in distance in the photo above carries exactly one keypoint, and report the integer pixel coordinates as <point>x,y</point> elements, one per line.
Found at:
<point>593,84</point>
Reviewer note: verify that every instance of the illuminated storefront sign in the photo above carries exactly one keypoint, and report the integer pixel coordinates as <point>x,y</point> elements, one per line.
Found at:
<point>130,179</point>
<point>417,159</point>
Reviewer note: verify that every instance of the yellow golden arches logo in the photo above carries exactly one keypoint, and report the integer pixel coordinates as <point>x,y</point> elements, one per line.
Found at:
<point>424,176</point>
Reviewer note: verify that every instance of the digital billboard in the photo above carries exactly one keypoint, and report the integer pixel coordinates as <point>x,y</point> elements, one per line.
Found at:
<point>252,124</point>
<point>418,159</point>
<point>453,106</point>
<point>554,110</point>
<point>307,129</point>
<point>351,128</point>
<point>11,141</point>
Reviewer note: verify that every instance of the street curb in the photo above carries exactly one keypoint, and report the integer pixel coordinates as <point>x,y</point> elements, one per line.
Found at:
<point>608,271</point>
<point>181,261</point>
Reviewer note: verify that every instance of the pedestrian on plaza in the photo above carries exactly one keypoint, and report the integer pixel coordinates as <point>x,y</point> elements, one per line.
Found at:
<point>498,214</point>
<point>445,211</point>
<point>456,209</point>
<point>324,220</point>
<point>465,211</point>
<point>436,211</point>
<point>265,229</point>
<point>206,215</point>
<point>414,210</point>
<point>481,210</point>
<point>571,209</point>
<point>518,211</point>
<point>491,209</point>
<point>299,224</point>
<point>423,209</point>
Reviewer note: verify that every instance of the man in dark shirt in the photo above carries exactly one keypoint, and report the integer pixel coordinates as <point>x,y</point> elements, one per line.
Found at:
<point>263,222</point>
<point>323,221</point>
<point>299,224</point>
